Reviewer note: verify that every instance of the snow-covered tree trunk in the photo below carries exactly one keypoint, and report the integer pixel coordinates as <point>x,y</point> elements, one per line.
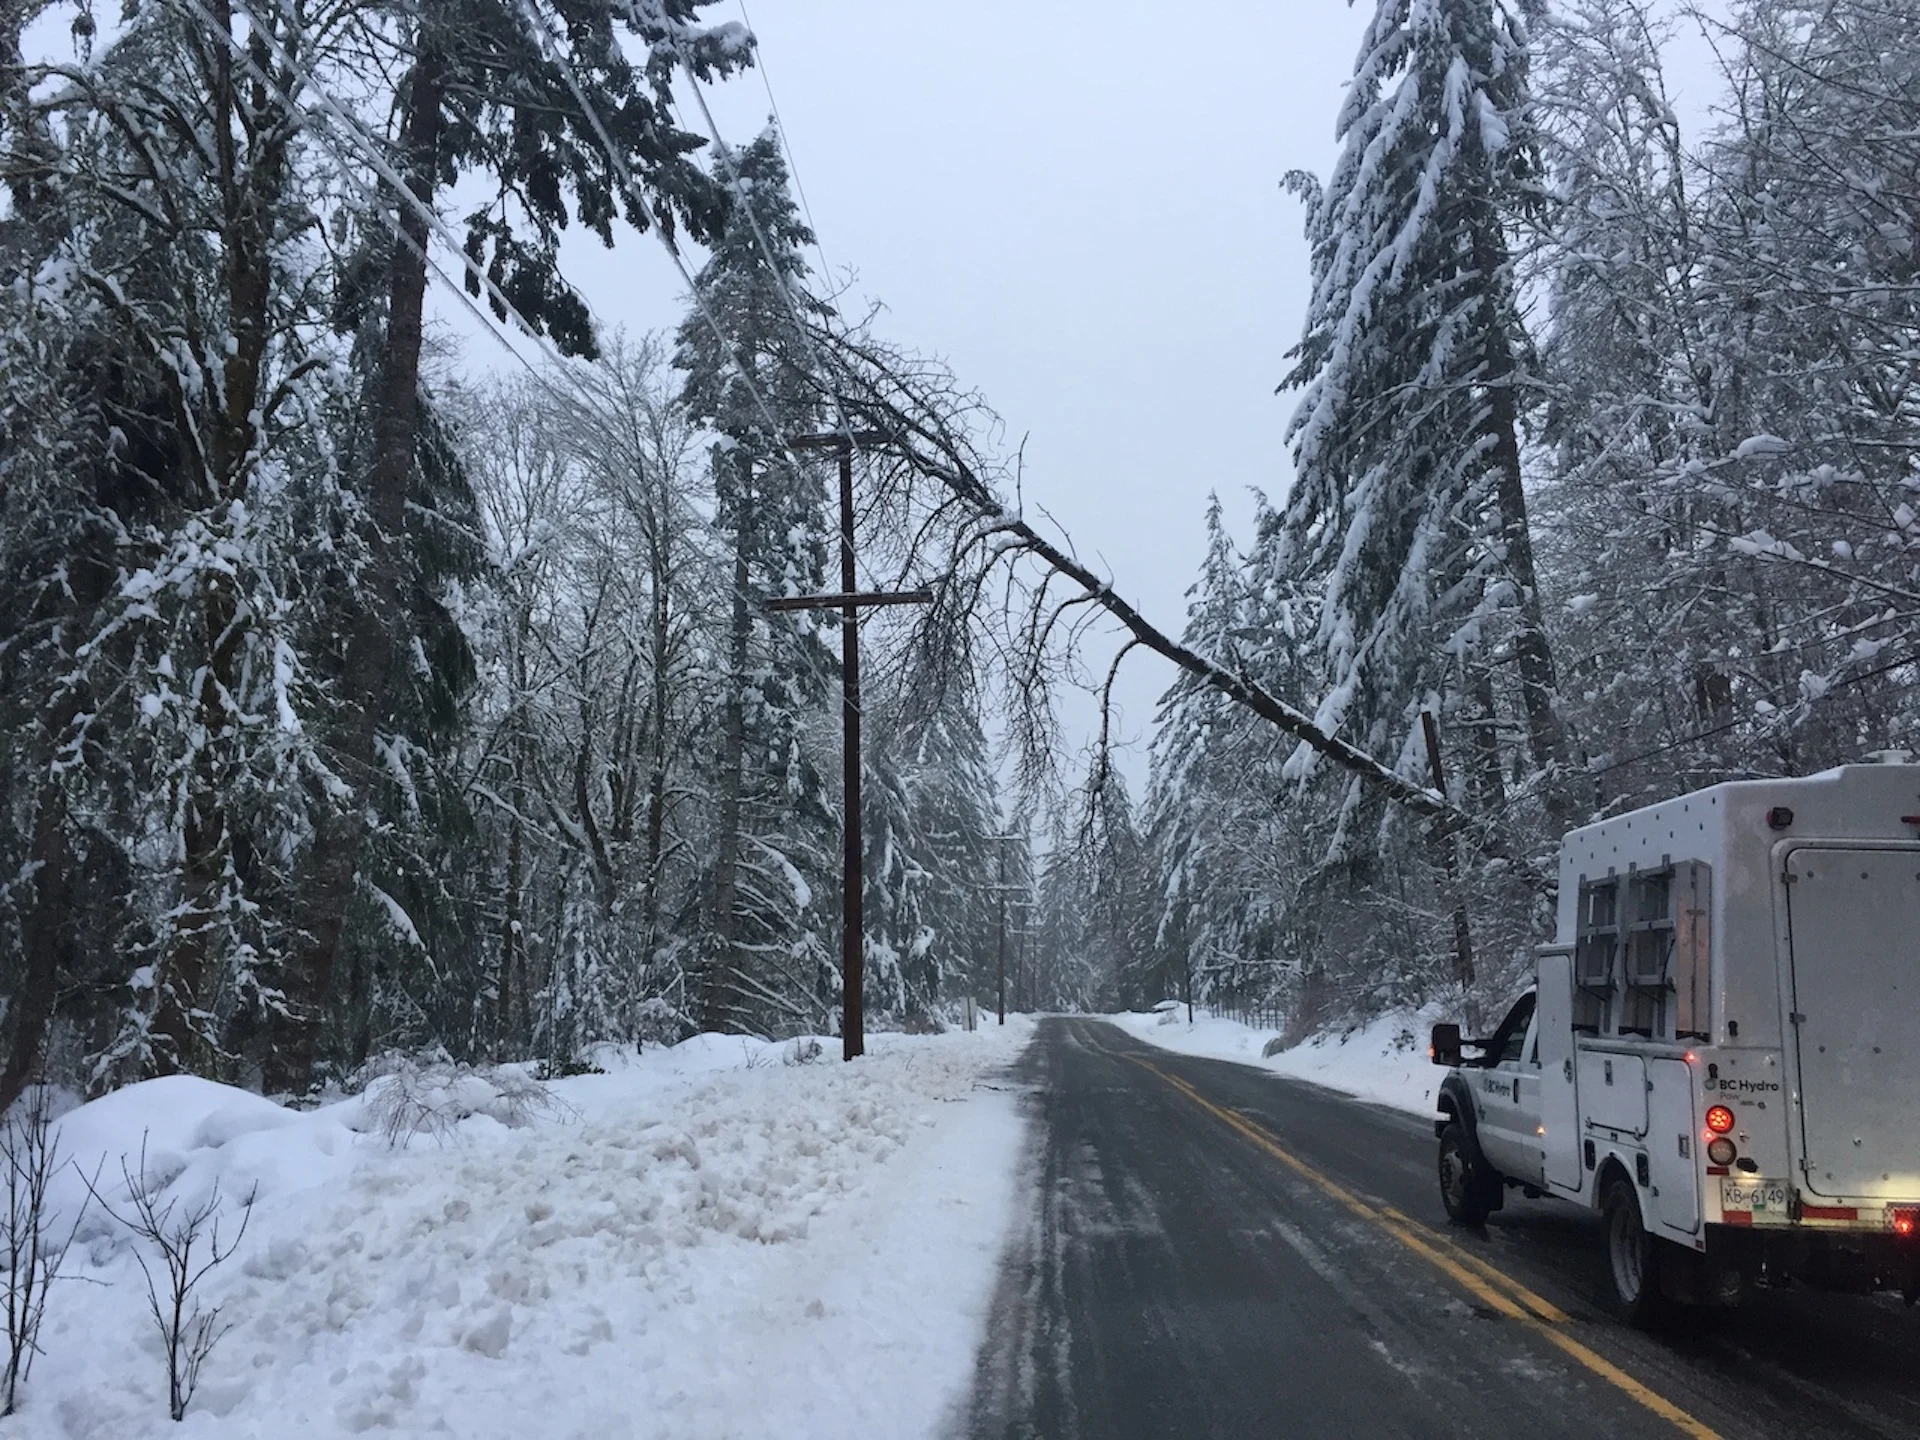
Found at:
<point>720,1000</point>
<point>368,657</point>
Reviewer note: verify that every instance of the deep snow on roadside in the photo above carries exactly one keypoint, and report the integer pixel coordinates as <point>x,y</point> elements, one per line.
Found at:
<point>1384,1062</point>
<point>707,1242</point>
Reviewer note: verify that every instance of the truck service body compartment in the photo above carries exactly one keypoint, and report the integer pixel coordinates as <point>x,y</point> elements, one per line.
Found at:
<point>1613,1092</point>
<point>1673,1145</point>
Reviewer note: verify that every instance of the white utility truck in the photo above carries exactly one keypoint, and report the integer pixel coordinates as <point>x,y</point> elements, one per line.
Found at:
<point>1722,1051</point>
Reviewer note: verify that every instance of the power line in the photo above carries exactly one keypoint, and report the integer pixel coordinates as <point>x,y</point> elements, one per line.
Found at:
<point>782,280</point>
<point>550,46</point>
<point>368,150</point>
<point>1722,729</point>
<point>784,283</point>
<point>793,165</point>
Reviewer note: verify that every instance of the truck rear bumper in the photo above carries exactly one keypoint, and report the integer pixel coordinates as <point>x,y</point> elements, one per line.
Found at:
<point>1833,1254</point>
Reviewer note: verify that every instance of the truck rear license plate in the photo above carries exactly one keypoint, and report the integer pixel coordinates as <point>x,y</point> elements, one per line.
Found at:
<point>1763,1198</point>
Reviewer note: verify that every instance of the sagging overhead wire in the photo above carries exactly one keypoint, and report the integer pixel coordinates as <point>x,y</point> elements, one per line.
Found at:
<point>551,47</point>
<point>368,150</point>
<point>793,165</point>
<point>782,280</point>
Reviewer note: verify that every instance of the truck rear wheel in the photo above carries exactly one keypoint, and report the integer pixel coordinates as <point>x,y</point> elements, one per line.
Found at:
<point>1467,1188</point>
<point>1633,1257</point>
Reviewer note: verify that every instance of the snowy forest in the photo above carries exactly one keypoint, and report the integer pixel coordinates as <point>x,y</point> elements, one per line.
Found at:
<point>1607,453</point>
<point>353,704</point>
<point>352,701</point>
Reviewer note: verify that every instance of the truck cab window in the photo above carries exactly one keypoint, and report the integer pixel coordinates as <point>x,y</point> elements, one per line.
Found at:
<point>1509,1043</point>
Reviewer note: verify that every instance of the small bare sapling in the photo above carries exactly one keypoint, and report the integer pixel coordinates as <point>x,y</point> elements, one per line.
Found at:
<point>187,1244</point>
<point>34,1242</point>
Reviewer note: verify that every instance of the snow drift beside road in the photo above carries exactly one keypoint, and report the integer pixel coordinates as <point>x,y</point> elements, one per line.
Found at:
<point>708,1242</point>
<point>1384,1062</point>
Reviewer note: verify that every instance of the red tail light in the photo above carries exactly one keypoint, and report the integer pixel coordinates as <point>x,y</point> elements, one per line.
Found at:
<point>1720,1119</point>
<point>1906,1223</point>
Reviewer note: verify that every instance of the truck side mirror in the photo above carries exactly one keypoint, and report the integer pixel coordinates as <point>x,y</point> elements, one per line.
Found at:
<point>1446,1045</point>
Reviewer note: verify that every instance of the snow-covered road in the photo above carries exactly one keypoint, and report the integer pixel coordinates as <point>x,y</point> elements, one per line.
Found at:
<point>1217,1250</point>
<point>710,1243</point>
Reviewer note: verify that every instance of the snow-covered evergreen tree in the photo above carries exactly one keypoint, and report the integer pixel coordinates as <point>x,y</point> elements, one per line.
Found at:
<point>773,827</point>
<point>1220,816</point>
<point>1069,972</point>
<point>938,857</point>
<point>1408,499</point>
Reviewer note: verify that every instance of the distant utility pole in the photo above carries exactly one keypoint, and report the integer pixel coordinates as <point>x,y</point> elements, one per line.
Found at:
<point>1001,890</point>
<point>1001,930</point>
<point>849,602</point>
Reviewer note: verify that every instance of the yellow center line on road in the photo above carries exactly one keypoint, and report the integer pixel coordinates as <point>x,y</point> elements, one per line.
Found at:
<point>1495,1288</point>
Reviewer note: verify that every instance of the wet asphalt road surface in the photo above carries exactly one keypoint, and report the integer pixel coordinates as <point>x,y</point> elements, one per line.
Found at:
<point>1215,1251</point>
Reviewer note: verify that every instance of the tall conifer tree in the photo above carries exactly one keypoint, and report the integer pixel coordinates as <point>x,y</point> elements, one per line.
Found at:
<point>1408,502</point>
<point>751,385</point>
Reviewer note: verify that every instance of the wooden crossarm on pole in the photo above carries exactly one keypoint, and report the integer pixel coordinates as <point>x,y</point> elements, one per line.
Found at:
<point>868,600</point>
<point>839,440</point>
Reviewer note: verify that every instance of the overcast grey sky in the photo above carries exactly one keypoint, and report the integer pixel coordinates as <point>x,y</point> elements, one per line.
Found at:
<point>1078,205</point>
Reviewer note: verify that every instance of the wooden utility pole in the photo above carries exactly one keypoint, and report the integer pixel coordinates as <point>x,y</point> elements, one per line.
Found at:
<point>849,602</point>
<point>1450,860</point>
<point>1000,892</point>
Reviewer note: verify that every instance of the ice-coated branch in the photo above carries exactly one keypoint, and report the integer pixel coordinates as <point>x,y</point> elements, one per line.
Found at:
<point>882,394</point>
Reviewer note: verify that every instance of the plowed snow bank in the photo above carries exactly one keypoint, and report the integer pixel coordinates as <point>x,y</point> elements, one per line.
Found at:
<point>707,1243</point>
<point>1384,1062</point>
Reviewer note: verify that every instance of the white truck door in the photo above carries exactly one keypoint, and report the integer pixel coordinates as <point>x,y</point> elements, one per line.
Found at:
<point>1853,916</point>
<point>1507,1128</point>
<point>1559,1097</point>
<point>1527,1116</point>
